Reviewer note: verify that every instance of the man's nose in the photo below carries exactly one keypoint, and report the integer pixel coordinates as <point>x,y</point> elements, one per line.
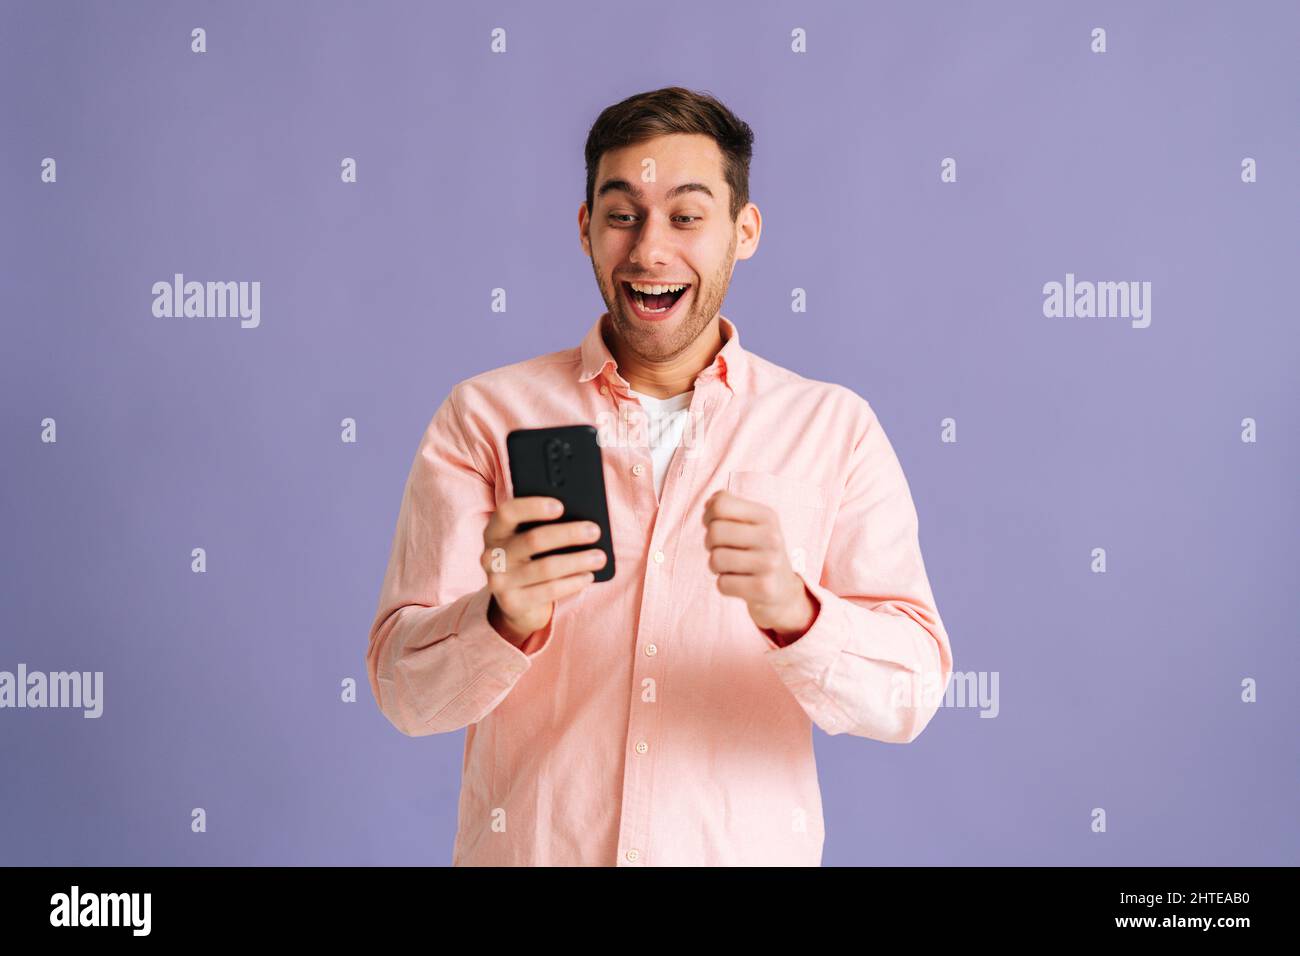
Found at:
<point>653,242</point>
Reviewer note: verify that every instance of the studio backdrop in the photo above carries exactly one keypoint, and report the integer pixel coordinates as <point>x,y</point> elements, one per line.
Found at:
<point>1052,244</point>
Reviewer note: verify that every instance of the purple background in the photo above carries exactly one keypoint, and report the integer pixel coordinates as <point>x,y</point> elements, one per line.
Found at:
<point>1118,690</point>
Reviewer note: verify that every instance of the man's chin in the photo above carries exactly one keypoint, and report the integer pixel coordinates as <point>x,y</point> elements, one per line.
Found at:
<point>636,330</point>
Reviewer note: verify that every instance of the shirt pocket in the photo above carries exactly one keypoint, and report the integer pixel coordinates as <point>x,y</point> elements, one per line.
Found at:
<point>801,507</point>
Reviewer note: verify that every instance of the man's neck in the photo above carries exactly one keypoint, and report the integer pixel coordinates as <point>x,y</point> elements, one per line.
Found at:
<point>675,376</point>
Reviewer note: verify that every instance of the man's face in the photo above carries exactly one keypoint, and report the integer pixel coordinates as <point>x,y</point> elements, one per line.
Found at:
<point>675,229</point>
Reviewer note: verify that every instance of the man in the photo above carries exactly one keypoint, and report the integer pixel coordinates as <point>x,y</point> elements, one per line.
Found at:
<point>768,568</point>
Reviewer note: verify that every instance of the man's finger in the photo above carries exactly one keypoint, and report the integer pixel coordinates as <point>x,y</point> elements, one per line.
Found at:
<point>726,505</point>
<point>724,532</point>
<point>515,511</point>
<point>519,549</point>
<point>739,561</point>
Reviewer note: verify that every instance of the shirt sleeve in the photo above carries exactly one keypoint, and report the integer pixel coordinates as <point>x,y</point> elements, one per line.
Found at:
<point>876,660</point>
<point>435,662</point>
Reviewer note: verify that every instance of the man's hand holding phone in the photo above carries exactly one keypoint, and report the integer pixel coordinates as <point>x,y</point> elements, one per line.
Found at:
<point>525,589</point>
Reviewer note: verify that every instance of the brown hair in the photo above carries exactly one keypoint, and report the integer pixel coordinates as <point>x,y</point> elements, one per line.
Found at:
<point>674,110</point>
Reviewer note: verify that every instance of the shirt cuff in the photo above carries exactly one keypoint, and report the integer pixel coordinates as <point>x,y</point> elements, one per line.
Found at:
<point>498,653</point>
<point>491,665</point>
<point>813,654</point>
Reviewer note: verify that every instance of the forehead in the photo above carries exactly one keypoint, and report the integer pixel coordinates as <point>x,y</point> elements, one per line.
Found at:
<point>678,157</point>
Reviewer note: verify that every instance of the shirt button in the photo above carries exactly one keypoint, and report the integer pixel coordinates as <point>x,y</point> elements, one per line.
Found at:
<point>604,390</point>
<point>642,746</point>
<point>659,557</point>
<point>638,468</point>
<point>651,650</point>
<point>633,855</point>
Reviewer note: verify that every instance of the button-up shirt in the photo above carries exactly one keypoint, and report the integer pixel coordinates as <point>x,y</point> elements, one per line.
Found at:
<point>651,722</point>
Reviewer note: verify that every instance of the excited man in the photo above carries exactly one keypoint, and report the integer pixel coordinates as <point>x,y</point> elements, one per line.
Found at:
<point>768,565</point>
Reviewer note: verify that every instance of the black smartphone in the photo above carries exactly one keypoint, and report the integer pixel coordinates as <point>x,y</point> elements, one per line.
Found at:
<point>564,462</point>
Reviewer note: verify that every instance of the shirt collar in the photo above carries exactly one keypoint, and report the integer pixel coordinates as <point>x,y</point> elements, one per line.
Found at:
<point>728,365</point>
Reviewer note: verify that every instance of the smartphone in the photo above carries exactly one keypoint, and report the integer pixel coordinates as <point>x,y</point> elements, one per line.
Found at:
<point>564,462</point>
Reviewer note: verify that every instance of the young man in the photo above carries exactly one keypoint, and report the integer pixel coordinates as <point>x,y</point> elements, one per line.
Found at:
<point>768,567</point>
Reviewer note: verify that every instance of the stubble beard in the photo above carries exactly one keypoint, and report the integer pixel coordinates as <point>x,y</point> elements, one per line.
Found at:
<point>646,343</point>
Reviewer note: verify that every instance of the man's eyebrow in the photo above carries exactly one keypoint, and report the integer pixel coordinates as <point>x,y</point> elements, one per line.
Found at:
<point>622,185</point>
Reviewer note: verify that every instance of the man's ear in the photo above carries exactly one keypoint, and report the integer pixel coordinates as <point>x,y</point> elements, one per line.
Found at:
<point>584,233</point>
<point>749,224</point>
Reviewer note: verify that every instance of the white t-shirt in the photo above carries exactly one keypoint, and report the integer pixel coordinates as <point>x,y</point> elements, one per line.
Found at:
<point>667,422</point>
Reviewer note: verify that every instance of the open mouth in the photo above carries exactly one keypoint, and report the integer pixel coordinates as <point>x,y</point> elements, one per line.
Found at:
<point>654,301</point>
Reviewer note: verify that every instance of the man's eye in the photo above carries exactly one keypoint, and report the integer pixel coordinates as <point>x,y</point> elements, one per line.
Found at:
<point>625,216</point>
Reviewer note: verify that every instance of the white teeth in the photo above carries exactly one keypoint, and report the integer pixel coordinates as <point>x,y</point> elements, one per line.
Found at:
<point>655,289</point>
<point>640,289</point>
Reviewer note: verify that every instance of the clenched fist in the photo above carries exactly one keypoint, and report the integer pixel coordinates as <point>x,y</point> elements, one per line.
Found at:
<point>747,552</point>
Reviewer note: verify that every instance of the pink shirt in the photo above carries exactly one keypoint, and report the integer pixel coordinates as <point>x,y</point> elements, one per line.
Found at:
<point>651,722</point>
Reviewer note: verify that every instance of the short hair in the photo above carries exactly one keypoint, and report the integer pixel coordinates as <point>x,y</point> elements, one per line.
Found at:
<point>674,110</point>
